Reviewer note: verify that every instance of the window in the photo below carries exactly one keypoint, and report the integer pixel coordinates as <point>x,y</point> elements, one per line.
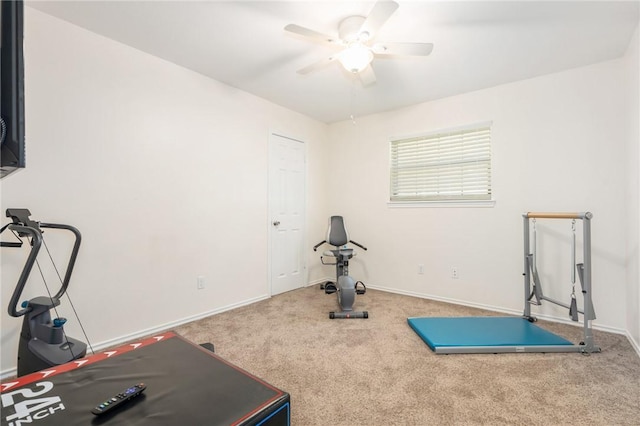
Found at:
<point>450,165</point>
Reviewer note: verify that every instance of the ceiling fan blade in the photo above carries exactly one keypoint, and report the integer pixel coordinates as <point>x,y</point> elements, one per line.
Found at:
<point>402,49</point>
<point>380,13</point>
<point>367,76</point>
<point>311,34</point>
<point>317,65</point>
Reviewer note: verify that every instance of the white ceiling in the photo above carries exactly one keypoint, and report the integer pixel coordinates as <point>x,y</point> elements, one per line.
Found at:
<point>478,44</point>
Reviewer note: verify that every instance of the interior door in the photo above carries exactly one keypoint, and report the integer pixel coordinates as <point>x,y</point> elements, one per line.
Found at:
<point>287,190</point>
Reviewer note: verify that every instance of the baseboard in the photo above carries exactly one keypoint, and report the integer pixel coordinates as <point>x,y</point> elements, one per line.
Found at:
<point>170,325</point>
<point>177,323</point>
<point>501,310</point>
<point>634,344</point>
<point>154,330</point>
<point>319,281</point>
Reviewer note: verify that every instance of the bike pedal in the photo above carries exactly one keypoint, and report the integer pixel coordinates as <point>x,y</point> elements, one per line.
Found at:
<point>330,288</point>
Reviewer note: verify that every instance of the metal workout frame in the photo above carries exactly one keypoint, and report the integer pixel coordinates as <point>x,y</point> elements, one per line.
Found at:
<point>584,272</point>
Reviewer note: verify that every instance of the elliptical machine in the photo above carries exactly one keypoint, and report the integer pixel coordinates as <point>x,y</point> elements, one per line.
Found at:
<point>43,342</point>
<point>345,286</point>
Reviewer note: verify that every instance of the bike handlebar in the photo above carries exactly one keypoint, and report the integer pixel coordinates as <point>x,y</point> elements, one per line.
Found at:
<point>315,248</point>
<point>358,244</point>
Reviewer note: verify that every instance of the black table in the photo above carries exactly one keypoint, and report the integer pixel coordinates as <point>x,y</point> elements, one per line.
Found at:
<point>186,385</point>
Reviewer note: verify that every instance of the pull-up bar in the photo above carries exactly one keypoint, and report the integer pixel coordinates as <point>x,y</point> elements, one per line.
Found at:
<point>543,215</point>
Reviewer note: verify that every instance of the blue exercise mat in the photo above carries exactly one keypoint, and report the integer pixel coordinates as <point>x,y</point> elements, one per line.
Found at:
<point>442,332</point>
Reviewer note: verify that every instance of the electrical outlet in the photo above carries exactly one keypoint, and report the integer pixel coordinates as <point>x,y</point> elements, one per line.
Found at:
<point>421,268</point>
<point>201,282</point>
<point>454,272</point>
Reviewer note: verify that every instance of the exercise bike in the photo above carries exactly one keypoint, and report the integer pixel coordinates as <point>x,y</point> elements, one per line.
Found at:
<point>345,286</point>
<point>43,342</point>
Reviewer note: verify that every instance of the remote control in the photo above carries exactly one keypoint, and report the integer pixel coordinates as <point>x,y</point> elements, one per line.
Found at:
<point>115,401</point>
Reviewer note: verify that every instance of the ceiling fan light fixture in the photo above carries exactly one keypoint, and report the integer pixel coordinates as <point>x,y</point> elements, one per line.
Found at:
<point>356,57</point>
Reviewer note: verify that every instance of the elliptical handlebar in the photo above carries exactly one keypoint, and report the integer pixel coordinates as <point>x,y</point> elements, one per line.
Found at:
<point>72,258</point>
<point>36,243</point>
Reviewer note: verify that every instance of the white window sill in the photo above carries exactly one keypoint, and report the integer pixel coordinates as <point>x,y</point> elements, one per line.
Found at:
<point>451,203</point>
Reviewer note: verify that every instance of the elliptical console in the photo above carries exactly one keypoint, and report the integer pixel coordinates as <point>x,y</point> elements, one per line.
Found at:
<point>43,342</point>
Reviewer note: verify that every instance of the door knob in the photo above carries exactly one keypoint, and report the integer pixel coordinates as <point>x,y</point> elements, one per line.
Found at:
<point>276,222</point>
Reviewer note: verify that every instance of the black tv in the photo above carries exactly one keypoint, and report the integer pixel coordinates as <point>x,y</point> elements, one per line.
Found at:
<point>12,141</point>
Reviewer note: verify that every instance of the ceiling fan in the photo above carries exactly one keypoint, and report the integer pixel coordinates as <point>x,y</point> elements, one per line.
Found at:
<point>356,36</point>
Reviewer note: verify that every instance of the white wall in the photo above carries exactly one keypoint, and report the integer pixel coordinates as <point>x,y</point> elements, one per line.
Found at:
<point>632,65</point>
<point>163,171</point>
<point>559,144</point>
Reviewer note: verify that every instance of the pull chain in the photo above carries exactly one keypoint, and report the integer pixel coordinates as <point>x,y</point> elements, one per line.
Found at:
<point>352,116</point>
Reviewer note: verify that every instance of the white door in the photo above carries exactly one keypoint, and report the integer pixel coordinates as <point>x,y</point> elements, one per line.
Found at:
<point>287,215</point>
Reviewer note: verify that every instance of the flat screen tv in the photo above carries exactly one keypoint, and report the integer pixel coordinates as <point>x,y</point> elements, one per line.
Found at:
<point>12,153</point>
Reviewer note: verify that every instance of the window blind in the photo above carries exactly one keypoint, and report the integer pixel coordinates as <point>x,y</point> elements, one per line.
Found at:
<point>449,165</point>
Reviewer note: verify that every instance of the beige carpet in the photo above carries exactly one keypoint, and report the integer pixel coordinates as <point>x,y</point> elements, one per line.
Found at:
<point>377,371</point>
